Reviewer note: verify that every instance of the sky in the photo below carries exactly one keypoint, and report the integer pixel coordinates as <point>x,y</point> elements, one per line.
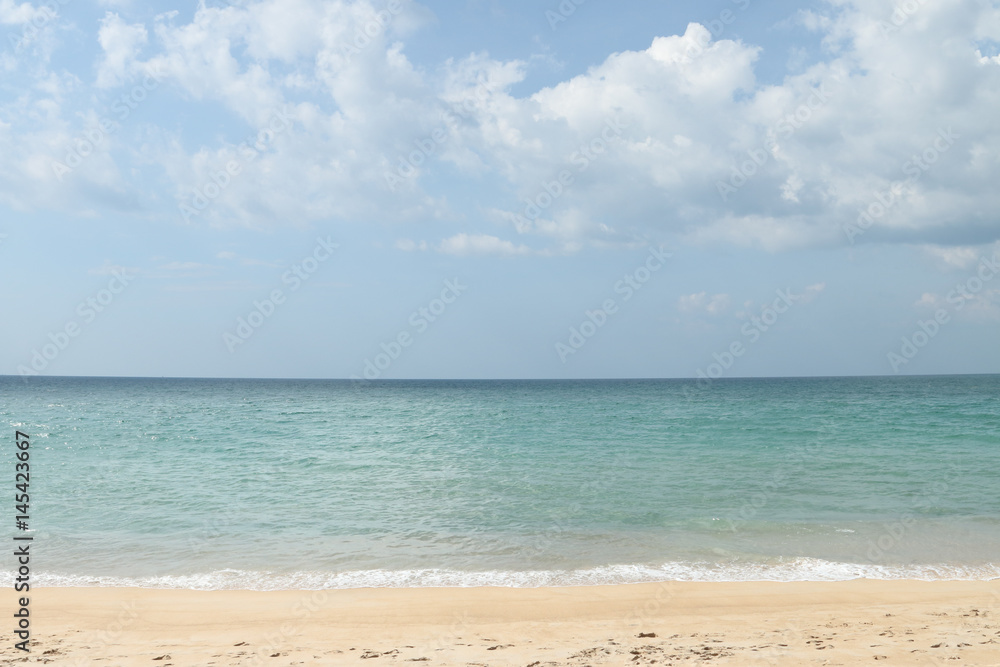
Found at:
<point>485,189</point>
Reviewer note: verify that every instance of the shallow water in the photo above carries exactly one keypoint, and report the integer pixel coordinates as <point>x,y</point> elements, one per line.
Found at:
<point>307,484</point>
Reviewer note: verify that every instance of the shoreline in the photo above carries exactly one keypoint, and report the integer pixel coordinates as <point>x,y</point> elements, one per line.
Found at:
<point>800,569</point>
<point>843,622</point>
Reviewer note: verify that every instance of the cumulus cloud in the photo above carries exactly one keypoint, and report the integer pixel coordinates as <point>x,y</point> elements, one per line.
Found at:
<point>681,138</point>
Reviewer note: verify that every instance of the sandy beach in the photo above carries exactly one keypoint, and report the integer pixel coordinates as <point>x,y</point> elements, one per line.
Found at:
<point>802,623</point>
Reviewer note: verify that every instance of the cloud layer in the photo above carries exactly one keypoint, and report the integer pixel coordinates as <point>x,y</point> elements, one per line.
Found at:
<point>317,113</point>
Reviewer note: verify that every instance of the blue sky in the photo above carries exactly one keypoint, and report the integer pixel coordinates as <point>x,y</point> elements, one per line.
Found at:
<point>500,189</point>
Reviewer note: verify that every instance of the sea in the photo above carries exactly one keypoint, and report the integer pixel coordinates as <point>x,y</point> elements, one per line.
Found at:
<point>319,484</point>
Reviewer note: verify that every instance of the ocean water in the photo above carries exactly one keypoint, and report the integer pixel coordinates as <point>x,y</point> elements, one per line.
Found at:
<point>280,484</point>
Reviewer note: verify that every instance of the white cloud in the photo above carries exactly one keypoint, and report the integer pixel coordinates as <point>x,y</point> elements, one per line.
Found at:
<point>568,228</point>
<point>813,21</point>
<point>830,158</point>
<point>186,266</point>
<point>229,255</point>
<point>956,257</point>
<point>645,136</point>
<point>983,306</point>
<point>810,293</point>
<point>702,302</point>
<point>121,43</point>
<point>929,300</point>
<point>790,188</point>
<point>108,269</point>
<point>12,13</point>
<point>409,245</point>
<point>480,244</point>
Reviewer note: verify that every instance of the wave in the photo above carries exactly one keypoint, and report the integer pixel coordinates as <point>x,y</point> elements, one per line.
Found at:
<point>799,569</point>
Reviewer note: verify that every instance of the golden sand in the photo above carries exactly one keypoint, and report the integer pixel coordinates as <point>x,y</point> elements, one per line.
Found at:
<point>748,623</point>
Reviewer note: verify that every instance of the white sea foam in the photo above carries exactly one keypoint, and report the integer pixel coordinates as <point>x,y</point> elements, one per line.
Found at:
<point>800,569</point>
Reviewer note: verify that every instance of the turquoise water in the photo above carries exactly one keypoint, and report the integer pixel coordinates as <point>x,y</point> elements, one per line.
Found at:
<point>265,484</point>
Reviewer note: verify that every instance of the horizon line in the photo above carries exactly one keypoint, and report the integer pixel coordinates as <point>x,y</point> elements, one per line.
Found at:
<point>487,379</point>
